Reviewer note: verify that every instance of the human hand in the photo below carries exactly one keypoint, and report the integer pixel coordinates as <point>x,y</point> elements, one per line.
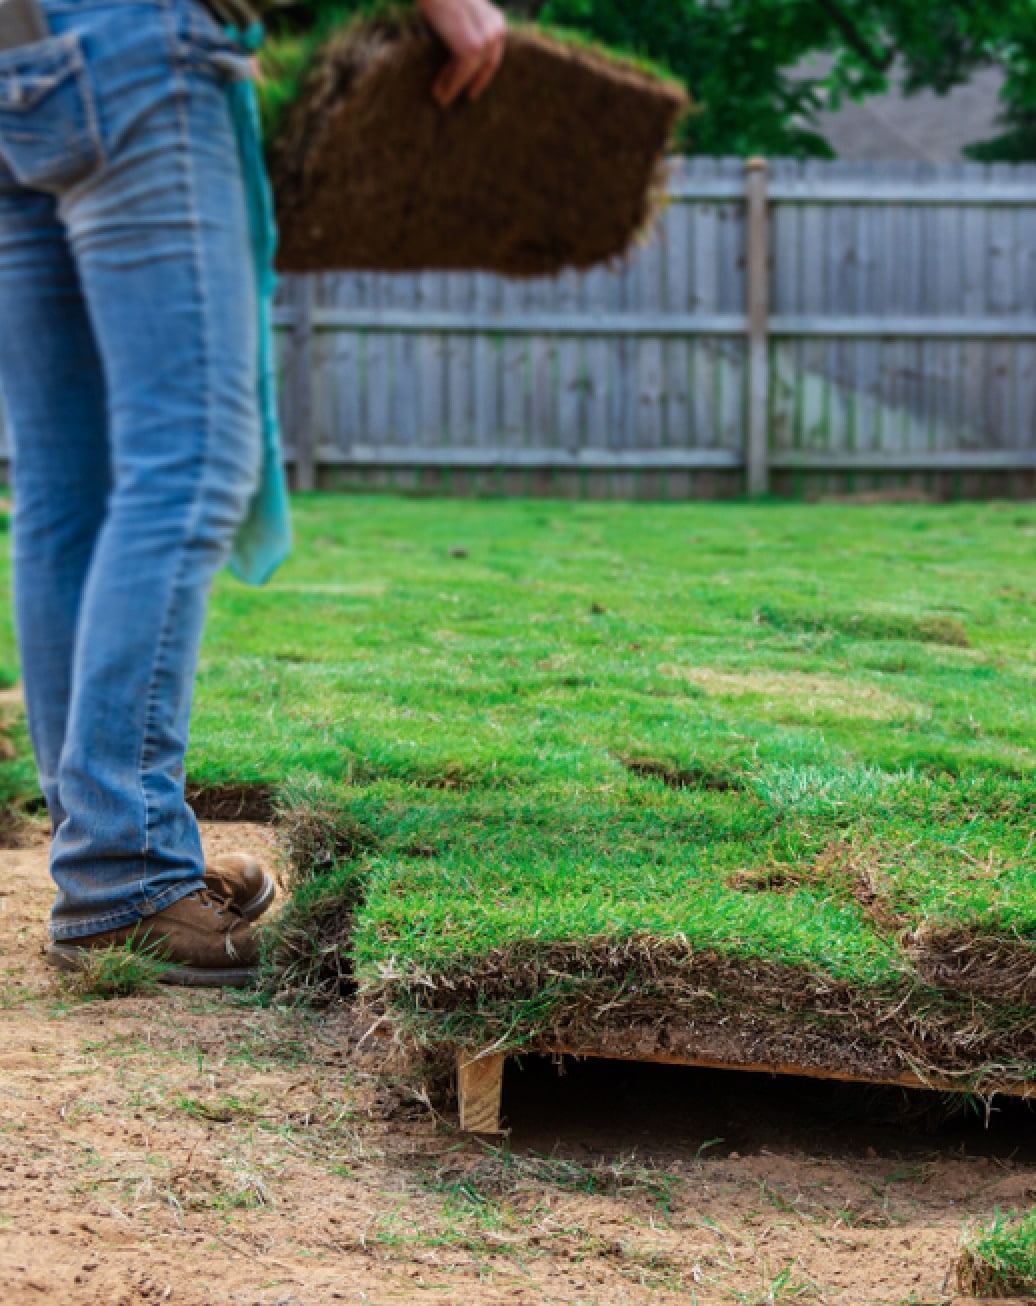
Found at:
<point>474,32</point>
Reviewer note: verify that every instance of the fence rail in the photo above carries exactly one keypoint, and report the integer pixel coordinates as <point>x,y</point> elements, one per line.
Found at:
<point>827,325</point>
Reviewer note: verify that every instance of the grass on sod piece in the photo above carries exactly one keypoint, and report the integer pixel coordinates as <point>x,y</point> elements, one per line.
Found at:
<point>753,781</point>
<point>1000,1260</point>
<point>370,172</point>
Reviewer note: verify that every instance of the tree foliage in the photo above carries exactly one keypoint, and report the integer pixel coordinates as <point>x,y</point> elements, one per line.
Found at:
<point>745,60</point>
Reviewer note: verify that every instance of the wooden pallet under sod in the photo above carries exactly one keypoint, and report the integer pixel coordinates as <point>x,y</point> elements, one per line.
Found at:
<point>480,1079</point>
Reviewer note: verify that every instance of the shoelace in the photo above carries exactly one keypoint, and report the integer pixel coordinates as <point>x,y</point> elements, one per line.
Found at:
<point>221,904</point>
<point>207,897</point>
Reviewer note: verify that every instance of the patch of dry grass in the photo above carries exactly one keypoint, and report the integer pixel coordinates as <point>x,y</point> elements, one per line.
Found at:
<point>806,694</point>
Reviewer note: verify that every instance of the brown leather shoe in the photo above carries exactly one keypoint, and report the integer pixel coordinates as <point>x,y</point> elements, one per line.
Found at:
<point>202,937</point>
<point>239,878</point>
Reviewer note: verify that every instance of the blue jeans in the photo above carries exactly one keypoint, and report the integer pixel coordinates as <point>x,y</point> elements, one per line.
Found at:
<point>128,373</point>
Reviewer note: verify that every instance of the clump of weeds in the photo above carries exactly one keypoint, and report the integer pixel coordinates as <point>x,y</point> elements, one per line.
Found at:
<point>119,971</point>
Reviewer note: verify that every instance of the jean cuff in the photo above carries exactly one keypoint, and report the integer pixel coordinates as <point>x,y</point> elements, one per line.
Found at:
<point>117,920</point>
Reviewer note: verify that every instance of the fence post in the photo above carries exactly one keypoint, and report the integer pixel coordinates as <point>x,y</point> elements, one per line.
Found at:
<point>758,278</point>
<point>299,365</point>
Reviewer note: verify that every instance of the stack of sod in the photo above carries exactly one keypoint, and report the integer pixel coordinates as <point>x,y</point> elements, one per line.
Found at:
<point>625,921</point>
<point>696,781</point>
<point>557,166</point>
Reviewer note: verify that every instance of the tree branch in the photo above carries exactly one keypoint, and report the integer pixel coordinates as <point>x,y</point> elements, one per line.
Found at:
<point>881,63</point>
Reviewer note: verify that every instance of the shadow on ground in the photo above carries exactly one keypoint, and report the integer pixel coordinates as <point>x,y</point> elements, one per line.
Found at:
<point>603,1106</point>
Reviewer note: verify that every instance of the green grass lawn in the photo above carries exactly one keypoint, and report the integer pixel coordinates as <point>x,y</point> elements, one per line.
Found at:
<point>756,778</point>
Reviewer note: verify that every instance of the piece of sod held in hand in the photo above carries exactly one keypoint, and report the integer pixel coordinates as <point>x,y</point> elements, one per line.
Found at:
<point>559,165</point>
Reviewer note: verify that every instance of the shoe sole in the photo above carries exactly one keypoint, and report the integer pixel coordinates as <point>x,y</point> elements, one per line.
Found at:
<point>68,957</point>
<point>262,901</point>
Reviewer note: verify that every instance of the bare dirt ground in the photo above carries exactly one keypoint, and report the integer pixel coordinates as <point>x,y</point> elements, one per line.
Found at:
<point>195,1149</point>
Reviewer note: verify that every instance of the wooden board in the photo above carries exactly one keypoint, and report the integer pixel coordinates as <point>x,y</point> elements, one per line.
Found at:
<point>480,1081</point>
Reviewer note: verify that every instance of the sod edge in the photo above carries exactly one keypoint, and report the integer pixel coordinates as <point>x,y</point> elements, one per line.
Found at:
<point>663,999</point>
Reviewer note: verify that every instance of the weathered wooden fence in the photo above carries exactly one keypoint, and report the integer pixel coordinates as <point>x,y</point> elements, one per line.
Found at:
<point>803,325</point>
<point>819,326</point>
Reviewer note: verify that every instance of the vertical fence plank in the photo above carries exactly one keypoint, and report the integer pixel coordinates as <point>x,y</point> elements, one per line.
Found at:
<point>624,391</point>
<point>927,350</point>
<point>514,422</point>
<point>733,291</point>
<point>300,369</point>
<point>402,350</point>
<point>1001,302</point>
<point>322,386</point>
<point>912,270</point>
<point>973,303</point>
<point>570,368</point>
<point>430,377</point>
<point>283,311</point>
<point>706,367</point>
<point>597,292</point>
<point>784,370</point>
<point>930,351</point>
<point>486,364</point>
<point>814,354</point>
<point>840,299</point>
<point>625,420</point>
<point>648,300</point>
<point>542,356</point>
<point>351,378</point>
<point>678,353</point>
<point>866,355</point>
<point>378,389</point>
<point>459,397</point>
<point>758,475</point>
<point>894,251</point>
<point>676,299</point>
<point>1025,355</point>
<point>948,302</point>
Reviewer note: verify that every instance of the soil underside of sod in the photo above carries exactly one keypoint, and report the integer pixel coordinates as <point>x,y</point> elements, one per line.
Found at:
<point>659,999</point>
<point>750,784</point>
<point>369,172</point>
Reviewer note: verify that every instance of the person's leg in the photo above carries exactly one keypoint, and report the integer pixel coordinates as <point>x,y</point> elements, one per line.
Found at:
<point>53,385</point>
<point>160,236</point>
<point>54,397</point>
<point>160,240</point>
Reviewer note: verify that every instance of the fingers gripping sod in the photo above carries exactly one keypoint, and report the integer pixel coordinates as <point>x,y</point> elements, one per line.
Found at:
<point>474,31</point>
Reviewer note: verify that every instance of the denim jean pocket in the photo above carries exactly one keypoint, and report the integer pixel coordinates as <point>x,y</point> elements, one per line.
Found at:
<point>49,136</point>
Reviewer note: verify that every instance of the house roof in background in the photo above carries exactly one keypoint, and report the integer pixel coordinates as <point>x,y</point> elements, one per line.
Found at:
<point>925,127</point>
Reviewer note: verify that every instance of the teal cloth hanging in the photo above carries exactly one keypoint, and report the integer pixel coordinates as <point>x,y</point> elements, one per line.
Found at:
<point>263,540</point>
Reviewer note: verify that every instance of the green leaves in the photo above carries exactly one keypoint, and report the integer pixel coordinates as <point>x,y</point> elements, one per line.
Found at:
<point>743,60</point>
